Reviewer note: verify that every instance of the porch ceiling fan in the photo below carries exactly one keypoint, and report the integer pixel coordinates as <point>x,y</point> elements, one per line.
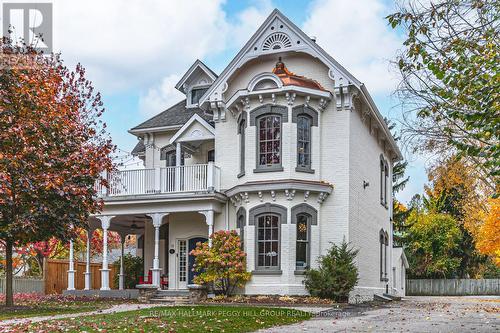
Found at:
<point>134,226</point>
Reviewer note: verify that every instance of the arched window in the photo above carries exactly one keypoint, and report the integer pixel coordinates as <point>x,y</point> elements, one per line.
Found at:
<point>268,121</point>
<point>268,240</point>
<point>269,141</point>
<point>302,242</point>
<point>303,142</point>
<point>384,182</point>
<point>384,243</point>
<point>305,118</point>
<point>241,131</point>
<point>303,216</point>
<point>241,217</point>
<point>267,219</point>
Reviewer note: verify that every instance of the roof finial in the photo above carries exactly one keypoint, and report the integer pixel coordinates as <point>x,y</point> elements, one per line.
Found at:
<point>280,67</point>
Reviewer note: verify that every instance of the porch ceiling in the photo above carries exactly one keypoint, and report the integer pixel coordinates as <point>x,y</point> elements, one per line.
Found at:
<point>132,224</point>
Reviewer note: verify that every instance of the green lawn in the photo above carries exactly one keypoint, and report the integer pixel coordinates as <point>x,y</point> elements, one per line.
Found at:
<point>176,319</point>
<point>35,305</point>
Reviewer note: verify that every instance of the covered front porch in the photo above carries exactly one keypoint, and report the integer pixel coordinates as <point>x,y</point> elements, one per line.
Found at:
<point>166,233</point>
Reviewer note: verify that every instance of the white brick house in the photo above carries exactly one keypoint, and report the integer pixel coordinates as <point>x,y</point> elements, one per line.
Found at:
<point>285,146</point>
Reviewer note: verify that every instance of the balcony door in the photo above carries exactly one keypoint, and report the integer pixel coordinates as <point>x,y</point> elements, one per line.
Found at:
<point>170,172</point>
<point>170,158</point>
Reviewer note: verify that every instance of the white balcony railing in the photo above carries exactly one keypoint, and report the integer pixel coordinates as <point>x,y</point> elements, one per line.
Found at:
<point>189,178</point>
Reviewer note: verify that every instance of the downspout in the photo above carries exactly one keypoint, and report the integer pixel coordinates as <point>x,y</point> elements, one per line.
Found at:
<point>227,216</point>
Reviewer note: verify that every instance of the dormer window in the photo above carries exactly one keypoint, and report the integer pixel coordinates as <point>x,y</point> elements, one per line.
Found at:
<point>197,93</point>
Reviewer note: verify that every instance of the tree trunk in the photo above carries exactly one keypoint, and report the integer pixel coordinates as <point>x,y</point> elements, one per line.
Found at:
<point>9,295</point>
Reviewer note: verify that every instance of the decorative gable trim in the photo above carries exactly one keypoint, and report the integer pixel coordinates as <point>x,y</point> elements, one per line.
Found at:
<point>263,42</point>
<point>256,46</point>
<point>193,119</point>
<point>262,77</point>
<point>197,64</point>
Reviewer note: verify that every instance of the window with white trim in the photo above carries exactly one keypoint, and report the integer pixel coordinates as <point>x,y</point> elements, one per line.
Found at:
<point>197,93</point>
<point>268,230</point>
<point>302,242</point>
<point>384,243</point>
<point>241,130</point>
<point>304,141</point>
<point>384,182</point>
<point>269,141</point>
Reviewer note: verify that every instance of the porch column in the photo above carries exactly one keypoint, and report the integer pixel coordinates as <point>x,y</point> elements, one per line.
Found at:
<point>209,219</point>
<point>71,270</point>
<point>178,162</point>
<point>87,263</point>
<point>105,222</point>
<point>157,221</point>
<point>121,276</point>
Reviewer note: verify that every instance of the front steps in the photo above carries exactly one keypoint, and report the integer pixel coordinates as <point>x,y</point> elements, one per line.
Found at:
<point>393,297</point>
<point>382,298</point>
<point>174,297</point>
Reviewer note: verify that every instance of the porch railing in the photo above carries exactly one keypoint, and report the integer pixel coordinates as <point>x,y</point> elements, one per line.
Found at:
<point>188,178</point>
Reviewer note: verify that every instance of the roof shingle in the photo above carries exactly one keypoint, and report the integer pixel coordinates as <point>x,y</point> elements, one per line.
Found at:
<point>176,115</point>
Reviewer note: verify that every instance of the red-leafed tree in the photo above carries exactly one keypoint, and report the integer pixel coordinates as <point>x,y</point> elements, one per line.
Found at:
<point>53,148</point>
<point>56,249</point>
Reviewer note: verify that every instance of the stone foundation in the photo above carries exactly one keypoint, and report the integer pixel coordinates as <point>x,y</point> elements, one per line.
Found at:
<point>197,293</point>
<point>146,292</point>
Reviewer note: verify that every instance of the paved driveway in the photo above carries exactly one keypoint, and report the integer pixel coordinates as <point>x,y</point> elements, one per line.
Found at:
<point>412,314</point>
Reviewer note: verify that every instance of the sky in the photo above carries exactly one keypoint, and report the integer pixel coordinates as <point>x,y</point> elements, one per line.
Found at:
<point>135,51</point>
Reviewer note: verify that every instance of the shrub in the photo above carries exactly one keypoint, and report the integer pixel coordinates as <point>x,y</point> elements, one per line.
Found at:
<point>133,268</point>
<point>336,276</point>
<point>224,264</point>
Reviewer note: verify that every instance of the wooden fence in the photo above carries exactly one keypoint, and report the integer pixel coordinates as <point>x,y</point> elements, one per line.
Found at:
<point>24,285</point>
<point>452,287</point>
<point>56,276</point>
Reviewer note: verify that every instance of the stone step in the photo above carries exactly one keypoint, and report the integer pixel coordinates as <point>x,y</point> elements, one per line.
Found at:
<point>173,293</point>
<point>381,298</point>
<point>393,297</point>
<point>170,300</point>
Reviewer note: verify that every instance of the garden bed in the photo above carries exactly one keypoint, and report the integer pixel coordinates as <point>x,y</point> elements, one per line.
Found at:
<point>275,300</point>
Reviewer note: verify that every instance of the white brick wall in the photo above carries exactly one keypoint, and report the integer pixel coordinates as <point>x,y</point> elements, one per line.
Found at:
<point>344,154</point>
<point>366,215</point>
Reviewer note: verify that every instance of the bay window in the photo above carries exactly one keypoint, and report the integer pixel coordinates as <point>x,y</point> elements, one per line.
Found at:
<point>269,141</point>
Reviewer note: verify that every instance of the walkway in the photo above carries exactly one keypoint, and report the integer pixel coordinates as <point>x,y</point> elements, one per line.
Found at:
<point>413,314</point>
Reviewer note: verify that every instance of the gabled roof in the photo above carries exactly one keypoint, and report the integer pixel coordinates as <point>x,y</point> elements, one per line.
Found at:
<point>195,118</point>
<point>197,64</point>
<point>305,42</point>
<point>139,148</point>
<point>175,116</point>
<point>341,75</point>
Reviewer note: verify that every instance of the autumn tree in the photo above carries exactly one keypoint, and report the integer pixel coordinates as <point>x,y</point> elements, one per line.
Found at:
<point>223,264</point>
<point>449,86</point>
<point>489,233</point>
<point>37,252</point>
<point>53,148</point>
<point>455,189</point>
<point>433,240</point>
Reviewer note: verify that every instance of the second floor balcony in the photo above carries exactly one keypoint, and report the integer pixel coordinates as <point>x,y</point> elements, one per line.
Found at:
<point>197,178</point>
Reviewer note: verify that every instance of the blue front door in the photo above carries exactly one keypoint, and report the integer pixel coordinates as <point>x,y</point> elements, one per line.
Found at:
<point>192,246</point>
